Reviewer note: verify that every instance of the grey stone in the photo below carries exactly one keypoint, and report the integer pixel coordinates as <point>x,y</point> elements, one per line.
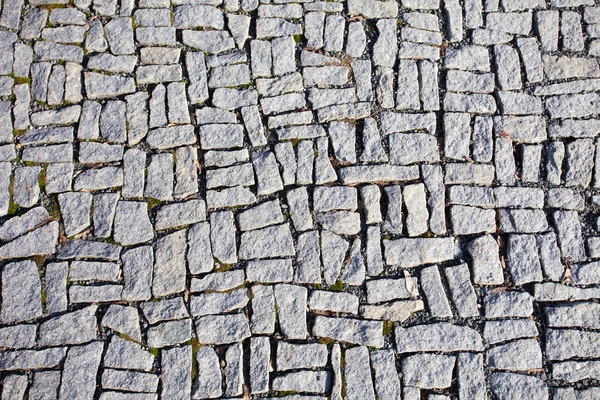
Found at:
<point>26,190</point>
<point>521,355</point>
<point>98,178</point>
<point>21,288</point>
<point>18,225</point>
<point>169,275</point>
<point>180,214</point>
<point>222,329</point>
<point>291,305</point>
<point>365,333</point>
<point>359,384</point>
<point>208,381</point>
<point>218,303</point>
<point>471,378</point>
<point>462,291</point>
<point>176,363</point>
<point>487,269</point>
<point>569,235</point>
<point>424,146</point>
<point>503,384</point>
<point>18,336</point>
<point>160,180</point>
<point>41,241</point>
<point>574,371</point>
<point>75,210</point>
<point>300,356</point>
<point>123,319</point>
<point>275,241</point>
<point>73,328</point>
<point>170,333</point>
<point>306,381</point>
<point>32,359</point>
<point>498,331</point>
<point>573,315</point>
<point>431,283</point>
<point>79,373</point>
<point>270,271</point>
<point>421,251</point>
<point>263,310</point>
<point>219,281</point>
<point>132,224</point>
<point>73,249</point>
<point>129,381</point>
<point>438,337</point>
<point>566,344</point>
<point>124,354</point>
<point>428,371</point>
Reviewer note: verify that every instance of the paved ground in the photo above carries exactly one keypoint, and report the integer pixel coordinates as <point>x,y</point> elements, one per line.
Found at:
<point>303,200</point>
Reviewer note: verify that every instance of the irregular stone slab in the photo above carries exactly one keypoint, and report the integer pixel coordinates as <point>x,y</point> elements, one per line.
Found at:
<point>365,333</point>
<point>169,275</point>
<point>222,329</point>
<point>522,261</point>
<point>100,86</point>
<point>32,359</point>
<point>437,337</point>
<point>171,137</point>
<point>581,315</point>
<point>132,224</point>
<point>21,292</point>
<point>506,385</point>
<point>176,364</point>
<point>306,381</point>
<point>471,378</point>
<point>124,354</point>
<point>428,371</point>
<point>73,249</point>
<point>275,241</point>
<point>521,355</point>
<point>301,356</point>
<point>377,173</point>
<point>394,311</point>
<point>407,253</point>
<point>75,210</point>
<point>487,269</point>
<point>123,319</point>
<point>69,329</point>
<point>291,305</point>
<point>359,384</point>
<point>566,344</point>
<point>18,225</point>
<point>218,303</point>
<point>79,373</point>
<point>20,336</point>
<point>170,333</point>
<point>437,302</point>
<point>462,291</point>
<point>41,241</point>
<point>208,381</point>
<point>260,356</point>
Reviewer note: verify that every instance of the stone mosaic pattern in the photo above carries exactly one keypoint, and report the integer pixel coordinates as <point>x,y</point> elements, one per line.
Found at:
<point>299,199</point>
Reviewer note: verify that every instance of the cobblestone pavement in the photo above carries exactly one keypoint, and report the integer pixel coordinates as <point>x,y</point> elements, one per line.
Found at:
<point>299,199</point>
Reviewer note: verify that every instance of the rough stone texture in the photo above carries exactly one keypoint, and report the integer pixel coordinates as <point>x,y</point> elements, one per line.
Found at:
<point>362,199</point>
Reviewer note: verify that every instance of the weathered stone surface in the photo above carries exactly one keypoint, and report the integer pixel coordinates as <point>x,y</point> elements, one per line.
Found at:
<point>72,328</point>
<point>408,253</point>
<point>238,198</point>
<point>440,336</point>
<point>221,329</point>
<point>132,224</point>
<point>21,292</point>
<point>366,333</point>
